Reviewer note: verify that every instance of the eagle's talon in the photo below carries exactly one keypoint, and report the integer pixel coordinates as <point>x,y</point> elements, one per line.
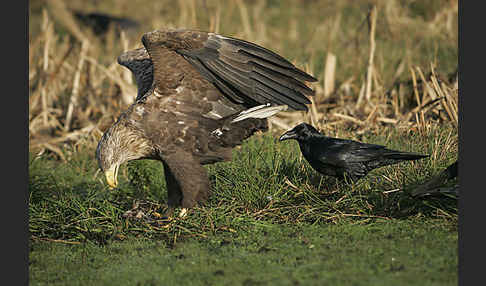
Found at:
<point>183,213</point>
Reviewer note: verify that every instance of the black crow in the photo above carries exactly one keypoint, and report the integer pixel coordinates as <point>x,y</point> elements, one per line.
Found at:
<point>339,157</point>
<point>436,184</point>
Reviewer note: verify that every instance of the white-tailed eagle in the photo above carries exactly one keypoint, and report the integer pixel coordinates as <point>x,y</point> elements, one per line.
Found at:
<point>199,95</point>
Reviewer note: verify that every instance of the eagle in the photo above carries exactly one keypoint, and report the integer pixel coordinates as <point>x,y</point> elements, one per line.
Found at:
<point>200,94</point>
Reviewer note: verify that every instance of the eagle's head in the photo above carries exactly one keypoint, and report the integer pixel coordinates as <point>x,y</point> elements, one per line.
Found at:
<point>300,132</point>
<point>118,145</point>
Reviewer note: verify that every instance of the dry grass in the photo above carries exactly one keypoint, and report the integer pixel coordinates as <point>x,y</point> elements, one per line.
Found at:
<point>77,89</point>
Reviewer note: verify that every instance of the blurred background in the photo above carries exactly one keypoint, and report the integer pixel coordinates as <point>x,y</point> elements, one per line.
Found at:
<point>380,64</point>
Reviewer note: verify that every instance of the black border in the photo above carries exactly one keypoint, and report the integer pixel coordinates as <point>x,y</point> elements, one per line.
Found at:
<point>15,140</point>
<point>471,89</point>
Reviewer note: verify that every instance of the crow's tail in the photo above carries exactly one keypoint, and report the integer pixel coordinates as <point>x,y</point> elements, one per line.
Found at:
<point>402,156</point>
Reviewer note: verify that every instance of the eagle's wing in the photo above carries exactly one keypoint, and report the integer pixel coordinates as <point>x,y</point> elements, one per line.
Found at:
<point>139,63</point>
<point>245,73</point>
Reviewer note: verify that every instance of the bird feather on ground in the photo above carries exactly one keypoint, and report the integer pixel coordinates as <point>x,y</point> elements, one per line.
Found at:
<point>199,95</point>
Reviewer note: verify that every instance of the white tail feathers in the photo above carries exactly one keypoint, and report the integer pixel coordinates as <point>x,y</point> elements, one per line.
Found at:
<point>260,111</point>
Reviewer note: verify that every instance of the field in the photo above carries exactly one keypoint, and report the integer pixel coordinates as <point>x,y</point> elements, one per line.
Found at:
<point>387,75</point>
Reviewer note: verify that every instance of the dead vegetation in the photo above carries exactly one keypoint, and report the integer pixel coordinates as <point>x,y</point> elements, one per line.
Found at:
<point>76,88</point>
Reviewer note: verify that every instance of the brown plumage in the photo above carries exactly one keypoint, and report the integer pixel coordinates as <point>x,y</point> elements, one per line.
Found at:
<point>199,95</point>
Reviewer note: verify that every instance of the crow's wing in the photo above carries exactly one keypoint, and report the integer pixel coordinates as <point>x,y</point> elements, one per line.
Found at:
<point>341,152</point>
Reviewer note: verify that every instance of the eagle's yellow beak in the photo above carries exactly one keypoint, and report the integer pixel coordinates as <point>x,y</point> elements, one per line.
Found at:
<point>111,177</point>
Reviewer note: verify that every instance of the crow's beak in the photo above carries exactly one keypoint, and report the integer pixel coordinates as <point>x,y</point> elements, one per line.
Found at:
<point>111,176</point>
<point>288,135</point>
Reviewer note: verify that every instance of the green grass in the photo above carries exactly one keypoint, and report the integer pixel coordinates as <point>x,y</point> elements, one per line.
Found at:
<point>271,219</point>
<point>395,252</point>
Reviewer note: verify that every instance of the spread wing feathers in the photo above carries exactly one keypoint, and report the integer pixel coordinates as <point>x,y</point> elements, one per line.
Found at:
<point>138,61</point>
<point>249,74</point>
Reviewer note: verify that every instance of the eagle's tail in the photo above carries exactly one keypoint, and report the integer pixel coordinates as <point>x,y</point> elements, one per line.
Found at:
<point>223,139</point>
<point>260,111</point>
<point>234,133</point>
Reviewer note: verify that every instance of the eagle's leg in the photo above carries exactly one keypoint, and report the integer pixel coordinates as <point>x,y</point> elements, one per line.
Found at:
<point>173,188</point>
<point>187,180</point>
<point>174,191</point>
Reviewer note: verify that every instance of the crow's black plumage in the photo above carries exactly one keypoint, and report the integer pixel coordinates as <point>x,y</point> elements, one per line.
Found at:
<point>436,184</point>
<point>339,157</point>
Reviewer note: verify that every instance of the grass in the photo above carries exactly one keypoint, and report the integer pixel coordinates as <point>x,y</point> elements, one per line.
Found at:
<point>271,218</point>
<point>410,252</point>
<point>265,180</point>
